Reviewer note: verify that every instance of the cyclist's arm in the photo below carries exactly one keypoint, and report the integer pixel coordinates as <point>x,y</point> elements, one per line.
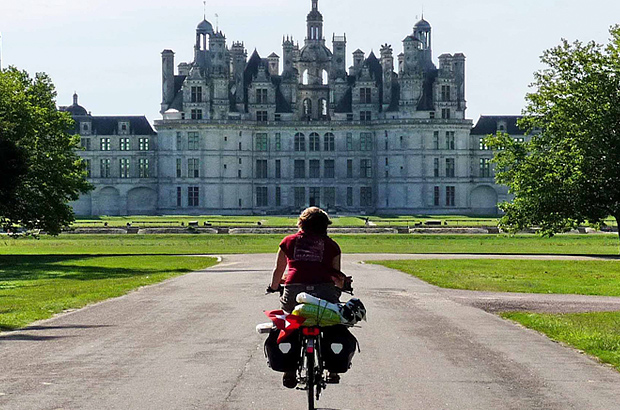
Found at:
<point>279,269</point>
<point>338,280</point>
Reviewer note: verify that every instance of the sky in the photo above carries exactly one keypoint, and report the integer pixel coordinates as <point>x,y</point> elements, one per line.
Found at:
<point>109,51</point>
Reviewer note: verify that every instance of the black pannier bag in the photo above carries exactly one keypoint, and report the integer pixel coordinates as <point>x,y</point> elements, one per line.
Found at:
<point>337,348</point>
<point>283,356</point>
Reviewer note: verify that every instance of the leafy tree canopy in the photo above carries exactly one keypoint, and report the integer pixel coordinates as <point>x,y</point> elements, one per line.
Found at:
<point>39,169</point>
<point>569,173</point>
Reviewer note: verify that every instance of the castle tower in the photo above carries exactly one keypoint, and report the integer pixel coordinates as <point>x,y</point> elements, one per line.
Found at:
<point>218,53</point>
<point>238,56</point>
<point>315,24</point>
<point>203,31</point>
<point>274,64</point>
<point>387,63</point>
<point>167,59</point>
<point>288,51</point>
<point>422,31</point>
<point>339,60</point>
<point>358,59</point>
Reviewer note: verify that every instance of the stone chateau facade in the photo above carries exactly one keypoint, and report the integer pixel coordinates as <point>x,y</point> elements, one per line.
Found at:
<point>273,135</point>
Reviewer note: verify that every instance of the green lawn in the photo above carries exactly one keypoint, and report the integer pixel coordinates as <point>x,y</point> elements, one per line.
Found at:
<point>37,287</point>
<point>227,244</point>
<point>525,276</point>
<point>597,334</point>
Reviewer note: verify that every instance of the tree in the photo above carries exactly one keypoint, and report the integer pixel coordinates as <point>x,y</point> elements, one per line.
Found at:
<point>40,171</point>
<point>569,173</point>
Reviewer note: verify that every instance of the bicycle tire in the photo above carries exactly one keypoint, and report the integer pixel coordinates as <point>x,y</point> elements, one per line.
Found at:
<point>310,379</point>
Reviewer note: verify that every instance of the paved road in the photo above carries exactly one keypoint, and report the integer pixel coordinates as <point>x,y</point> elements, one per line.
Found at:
<point>189,343</point>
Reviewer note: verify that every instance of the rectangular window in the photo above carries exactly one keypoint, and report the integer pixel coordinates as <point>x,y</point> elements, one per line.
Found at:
<point>261,96</point>
<point>193,168</point>
<point>329,142</point>
<point>349,196</point>
<point>143,167</point>
<point>365,115</point>
<point>436,167</point>
<point>143,144</point>
<point>349,141</point>
<point>366,141</point>
<point>300,169</point>
<point>365,168</point>
<point>436,198</point>
<point>445,93</point>
<point>329,169</point>
<point>436,140</point>
<point>329,195</point>
<point>261,196</point>
<point>450,194</point>
<point>124,144</point>
<point>445,113</point>
<point>179,196</point>
<point>85,128</point>
<point>261,142</point>
<point>483,146</point>
<point>123,128</point>
<point>315,196</point>
<point>193,196</point>
<point>85,143</point>
<point>366,196</point>
<point>104,169</point>
<point>105,144</point>
<point>261,116</point>
<point>87,166</point>
<point>349,168</point>
<point>179,166</point>
<point>431,115</point>
<point>315,168</point>
<point>278,196</point>
<point>261,168</point>
<point>278,141</point>
<point>485,167</point>
<point>278,168</point>
<point>450,167</point>
<point>277,117</point>
<point>300,197</point>
<point>196,114</point>
<point>196,94</point>
<point>349,117</point>
<point>450,140</point>
<point>124,167</point>
<point>365,95</point>
<point>179,141</point>
<point>193,141</point>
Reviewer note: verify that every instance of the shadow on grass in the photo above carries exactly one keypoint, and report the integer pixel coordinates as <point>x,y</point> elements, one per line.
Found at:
<point>37,267</point>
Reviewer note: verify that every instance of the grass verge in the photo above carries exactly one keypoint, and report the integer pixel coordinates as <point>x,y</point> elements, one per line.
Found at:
<point>597,334</point>
<point>525,276</point>
<point>226,244</point>
<point>37,287</point>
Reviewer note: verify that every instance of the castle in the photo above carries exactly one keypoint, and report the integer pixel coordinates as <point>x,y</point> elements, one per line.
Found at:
<point>273,135</point>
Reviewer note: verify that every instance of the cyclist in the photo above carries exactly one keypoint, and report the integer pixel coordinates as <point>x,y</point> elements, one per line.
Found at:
<point>313,261</point>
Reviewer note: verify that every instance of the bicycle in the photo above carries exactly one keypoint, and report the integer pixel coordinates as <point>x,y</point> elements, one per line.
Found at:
<point>311,371</point>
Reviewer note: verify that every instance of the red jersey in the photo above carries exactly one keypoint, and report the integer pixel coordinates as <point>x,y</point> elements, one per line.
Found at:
<point>309,257</point>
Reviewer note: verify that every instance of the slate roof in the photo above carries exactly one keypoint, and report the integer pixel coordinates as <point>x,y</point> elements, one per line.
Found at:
<point>108,125</point>
<point>74,109</point>
<point>426,100</point>
<point>487,124</point>
<point>346,103</point>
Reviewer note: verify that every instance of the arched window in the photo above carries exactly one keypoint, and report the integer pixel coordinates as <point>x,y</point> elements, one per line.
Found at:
<point>300,142</point>
<point>329,142</point>
<point>315,142</point>
<point>325,77</point>
<point>305,78</point>
<point>323,108</point>
<point>307,108</point>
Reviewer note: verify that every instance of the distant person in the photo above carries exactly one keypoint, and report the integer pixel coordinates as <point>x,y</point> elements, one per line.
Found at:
<point>313,261</point>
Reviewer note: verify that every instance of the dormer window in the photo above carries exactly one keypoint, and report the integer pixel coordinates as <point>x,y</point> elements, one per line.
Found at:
<point>85,128</point>
<point>123,128</point>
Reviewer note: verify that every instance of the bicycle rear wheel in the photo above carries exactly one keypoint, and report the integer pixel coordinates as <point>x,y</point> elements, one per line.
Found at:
<point>310,379</point>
